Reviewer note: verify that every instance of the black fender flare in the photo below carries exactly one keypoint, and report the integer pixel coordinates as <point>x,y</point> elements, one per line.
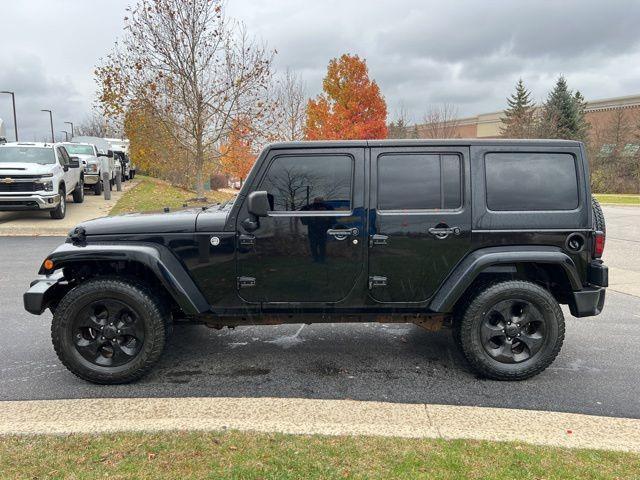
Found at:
<point>164,265</point>
<point>473,264</point>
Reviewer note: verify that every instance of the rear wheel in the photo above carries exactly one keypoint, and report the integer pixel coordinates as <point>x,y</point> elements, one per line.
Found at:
<point>512,330</point>
<point>110,331</point>
<point>61,210</point>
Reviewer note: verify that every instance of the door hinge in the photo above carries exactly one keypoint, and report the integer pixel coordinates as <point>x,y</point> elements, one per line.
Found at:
<point>378,239</point>
<point>247,240</point>
<point>376,281</point>
<point>246,282</point>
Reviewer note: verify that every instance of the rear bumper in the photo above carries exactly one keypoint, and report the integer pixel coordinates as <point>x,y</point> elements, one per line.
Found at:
<point>590,300</point>
<point>29,202</point>
<point>42,291</point>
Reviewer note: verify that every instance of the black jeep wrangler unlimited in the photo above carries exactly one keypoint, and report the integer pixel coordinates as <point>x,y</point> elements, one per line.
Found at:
<point>487,237</point>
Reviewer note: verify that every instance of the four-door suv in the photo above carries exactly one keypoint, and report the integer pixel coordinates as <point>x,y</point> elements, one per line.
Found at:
<point>93,162</point>
<point>487,237</point>
<point>39,176</point>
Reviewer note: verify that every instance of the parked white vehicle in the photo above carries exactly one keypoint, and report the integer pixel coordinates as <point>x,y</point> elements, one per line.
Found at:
<point>94,163</point>
<point>39,176</point>
<point>120,148</point>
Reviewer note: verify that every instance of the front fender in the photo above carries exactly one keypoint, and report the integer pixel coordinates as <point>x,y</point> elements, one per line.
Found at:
<point>474,263</point>
<point>164,265</point>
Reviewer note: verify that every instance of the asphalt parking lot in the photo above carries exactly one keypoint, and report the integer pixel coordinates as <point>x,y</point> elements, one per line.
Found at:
<point>597,372</point>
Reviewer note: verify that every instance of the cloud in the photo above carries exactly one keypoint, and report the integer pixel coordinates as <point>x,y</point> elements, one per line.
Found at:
<point>420,52</point>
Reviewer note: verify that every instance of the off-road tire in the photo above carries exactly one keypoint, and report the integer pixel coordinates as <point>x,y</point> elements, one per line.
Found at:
<point>78,192</point>
<point>598,216</point>
<point>60,211</point>
<point>479,305</point>
<point>97,188</point>
<point>151,310</point>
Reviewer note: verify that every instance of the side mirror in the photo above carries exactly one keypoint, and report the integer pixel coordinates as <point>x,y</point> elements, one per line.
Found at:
<point>74,162</point>
<point>258,204</point>
<point>110,153</point>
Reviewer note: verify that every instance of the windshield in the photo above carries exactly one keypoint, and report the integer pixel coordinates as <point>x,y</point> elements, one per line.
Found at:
<point>27,155</point>
<point>79,149</point>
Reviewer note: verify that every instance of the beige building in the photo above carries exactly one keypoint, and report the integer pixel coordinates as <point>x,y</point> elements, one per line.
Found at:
<point>487,125</point>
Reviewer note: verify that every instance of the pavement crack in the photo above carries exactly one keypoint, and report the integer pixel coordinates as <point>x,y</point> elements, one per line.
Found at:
<point>432,424</point>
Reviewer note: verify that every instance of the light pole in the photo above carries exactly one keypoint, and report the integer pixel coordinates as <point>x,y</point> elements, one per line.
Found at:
<point>53,137</point>
<point>15,122</point>
<point>71,123</point>
<point>66,135</point>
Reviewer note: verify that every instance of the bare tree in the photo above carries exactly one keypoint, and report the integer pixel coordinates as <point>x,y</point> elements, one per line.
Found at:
<point>194,67</point>
<point>290,107</point>
<point>96,125</point>
<point>441,121</point>
<point>401,127</point>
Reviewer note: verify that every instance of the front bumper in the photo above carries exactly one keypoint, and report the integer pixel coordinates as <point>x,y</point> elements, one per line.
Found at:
<point>29,201</point>
<point>42,291</point>
<point>91,178</point>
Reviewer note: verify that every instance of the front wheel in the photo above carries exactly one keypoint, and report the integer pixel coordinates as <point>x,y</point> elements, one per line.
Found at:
<point>60,211</point>
<point>109,331</point>
<point>512,330</point>
<point>78,192</point>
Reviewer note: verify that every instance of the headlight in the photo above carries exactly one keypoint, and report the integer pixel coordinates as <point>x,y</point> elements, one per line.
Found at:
<point>91,168</point>
<point>46,185</point>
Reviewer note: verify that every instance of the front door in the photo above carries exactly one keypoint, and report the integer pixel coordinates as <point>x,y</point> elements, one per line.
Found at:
<point>421,220</point>
<point>310,248</point>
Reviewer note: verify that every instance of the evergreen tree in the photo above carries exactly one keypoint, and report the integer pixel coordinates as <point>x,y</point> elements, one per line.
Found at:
<point>519,119</point>
<point>563,114</point>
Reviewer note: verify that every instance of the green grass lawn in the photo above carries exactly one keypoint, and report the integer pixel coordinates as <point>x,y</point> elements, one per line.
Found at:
<point>153,195</point>
<point>179,455</point>
<point>618,198</point>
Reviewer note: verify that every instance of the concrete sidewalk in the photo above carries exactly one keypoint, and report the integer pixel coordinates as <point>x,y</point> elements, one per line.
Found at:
<point>325,417</point>
<point>34,223</point>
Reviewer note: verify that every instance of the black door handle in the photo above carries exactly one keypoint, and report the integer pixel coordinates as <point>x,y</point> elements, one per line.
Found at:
<point>443,232</point>
<point>342,233</point>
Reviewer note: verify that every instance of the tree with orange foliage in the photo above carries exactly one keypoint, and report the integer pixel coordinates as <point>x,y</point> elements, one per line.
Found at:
<point>351,106</point>
<point>237,152</point>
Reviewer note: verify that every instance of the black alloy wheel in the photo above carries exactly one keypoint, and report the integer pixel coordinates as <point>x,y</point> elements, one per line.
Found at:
<point>512,331</point>
<point>108,333</point>
<point>110,330</point>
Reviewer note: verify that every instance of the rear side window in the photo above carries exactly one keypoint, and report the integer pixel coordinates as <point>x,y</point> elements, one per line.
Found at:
<point>415,181</point>
<point>310,183</point>
<point>531,181</point>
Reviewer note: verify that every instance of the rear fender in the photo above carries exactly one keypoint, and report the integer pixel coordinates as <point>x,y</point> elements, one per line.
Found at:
<point>478,261</point>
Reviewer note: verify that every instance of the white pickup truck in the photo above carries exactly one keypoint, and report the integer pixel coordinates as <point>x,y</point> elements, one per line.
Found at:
<point>39,176</point>
<point>95,162</point>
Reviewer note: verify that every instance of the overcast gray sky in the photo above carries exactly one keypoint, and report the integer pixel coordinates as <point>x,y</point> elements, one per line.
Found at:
<point>468,53</point>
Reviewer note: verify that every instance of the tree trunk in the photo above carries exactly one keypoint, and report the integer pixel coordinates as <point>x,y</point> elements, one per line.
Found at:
<point>199,170</point>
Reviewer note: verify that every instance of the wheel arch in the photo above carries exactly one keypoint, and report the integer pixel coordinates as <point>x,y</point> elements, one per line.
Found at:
<point>154,264</point>
<point>538,264</point>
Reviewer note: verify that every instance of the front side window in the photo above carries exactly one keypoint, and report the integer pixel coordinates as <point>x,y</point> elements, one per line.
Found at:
<point>40,155</point>
<point>531,181</point>
<point>309,183</point>
<point>417,181</point>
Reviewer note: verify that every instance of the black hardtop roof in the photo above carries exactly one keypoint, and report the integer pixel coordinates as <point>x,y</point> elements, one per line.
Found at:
<point>424,142</point>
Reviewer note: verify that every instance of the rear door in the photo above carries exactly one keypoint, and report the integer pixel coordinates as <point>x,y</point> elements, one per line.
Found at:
<point>420,220</point>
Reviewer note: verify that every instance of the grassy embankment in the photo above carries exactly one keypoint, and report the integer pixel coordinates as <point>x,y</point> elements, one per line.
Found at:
<point>152,194</point>
<point>276,456</point>
<point>618,199</point>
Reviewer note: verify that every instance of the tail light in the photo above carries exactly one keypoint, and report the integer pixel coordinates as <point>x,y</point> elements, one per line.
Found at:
<point>598,244</point>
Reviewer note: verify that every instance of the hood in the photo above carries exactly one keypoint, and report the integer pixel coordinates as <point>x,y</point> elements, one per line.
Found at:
<point>82,156</point>
<point>179,221</point>
<point>17,168</point>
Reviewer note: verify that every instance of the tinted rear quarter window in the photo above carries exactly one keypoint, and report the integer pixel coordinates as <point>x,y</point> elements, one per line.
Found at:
<point>531,181</point>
